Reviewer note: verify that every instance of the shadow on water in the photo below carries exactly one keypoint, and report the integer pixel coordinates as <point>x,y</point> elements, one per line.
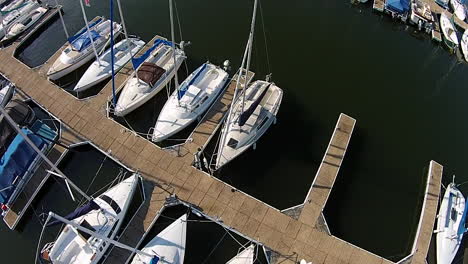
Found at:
<point>207,242</point>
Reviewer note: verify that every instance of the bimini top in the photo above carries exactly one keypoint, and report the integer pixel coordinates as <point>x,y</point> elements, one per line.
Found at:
<point>16,161</point>
<point>22,114</point>
<point>399,6</point>
<point>83,41</point>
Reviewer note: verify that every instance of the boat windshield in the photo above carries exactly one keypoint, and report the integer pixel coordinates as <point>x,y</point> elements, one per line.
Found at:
<point>453,215</point>
<point>86,225</point>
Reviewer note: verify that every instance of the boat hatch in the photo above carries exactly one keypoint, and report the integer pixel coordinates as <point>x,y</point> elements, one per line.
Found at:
<point>232,143</point>
<point>112,203</point>
<point>453,215</point>
<point>86,225</point>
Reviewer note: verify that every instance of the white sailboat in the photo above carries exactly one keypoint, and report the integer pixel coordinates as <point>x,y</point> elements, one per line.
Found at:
<point>80,49</point>
<point>11,6</point>
<point>25,22</point>
<point>190,101</point>
<point>152,76</point>
<point>450,225</point>
<point>103,215</point>
<point>14,15</point>
<point>6,92</point>
<point>168,246</point>
<point>448,30</point>
<point>459,9</point>
<point>246,256</point>
<point>464,45</point>
<point>100,71</point>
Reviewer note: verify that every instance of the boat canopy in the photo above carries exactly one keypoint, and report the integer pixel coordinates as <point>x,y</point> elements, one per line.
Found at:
<point>77,35</point>
<point>16,161</point>
<point>22,114</point>
<point>137,61</point>
<point>247,113</point>
<point>184,88</point>
<point>80,211</point>
<point>150,73</point>
<point>398,6</point>
<point>84,41</point>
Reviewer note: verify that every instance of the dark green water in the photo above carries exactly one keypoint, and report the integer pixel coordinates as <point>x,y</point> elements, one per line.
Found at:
<point>406,92</point>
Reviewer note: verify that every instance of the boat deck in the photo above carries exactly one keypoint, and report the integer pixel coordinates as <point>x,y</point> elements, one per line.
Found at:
<point>215,115</point>
<point>292,238</point>
<point>379,5</point>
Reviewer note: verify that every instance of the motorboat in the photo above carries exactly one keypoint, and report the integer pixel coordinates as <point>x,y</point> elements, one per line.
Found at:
<point>79,49</point>
<point>100,69</point>
<point>186,104</point>
<point>23,23</point>
<point>458,9</point>
<point>14,15</point>
<point>448,30</point>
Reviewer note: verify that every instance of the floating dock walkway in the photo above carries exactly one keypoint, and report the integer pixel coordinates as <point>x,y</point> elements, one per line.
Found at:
<point>292,238</point>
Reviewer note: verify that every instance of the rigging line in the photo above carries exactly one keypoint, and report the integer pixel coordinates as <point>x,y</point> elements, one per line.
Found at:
<point>264,37</point>
<point>95,176</point>
<point>180,31</point>
<point>214,248</point>
<point>39,242</point>
<point>237,241</point>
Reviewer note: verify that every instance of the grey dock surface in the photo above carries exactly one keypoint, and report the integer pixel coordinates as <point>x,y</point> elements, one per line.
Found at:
<point>216,114</point>
<point>292,238</point>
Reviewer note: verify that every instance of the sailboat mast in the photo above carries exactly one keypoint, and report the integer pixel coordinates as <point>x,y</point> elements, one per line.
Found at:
<point>89,32</point>
<point>112,49</point>
<point>34,147</point>
<point>252,29</point>
<point>63,22</point>
<point>97,235</point>
<point>174,51</point>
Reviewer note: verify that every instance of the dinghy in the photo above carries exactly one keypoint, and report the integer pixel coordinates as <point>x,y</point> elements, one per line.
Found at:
<point>79,50</point>
<point>100,70</point>
<point>152,76</point>
<point>6,92</point>
<point>246,256</point>
<point>464,45</point>
<point>190,101</point>
<point>103,215</point>
<point>14,15</point>
<point>450,225</point>
<point>23,23</point>
<point>168,246</point>
<point>250,119</point>
<point>448,30</point>
<point>12,6</point>
<point>459,9</point>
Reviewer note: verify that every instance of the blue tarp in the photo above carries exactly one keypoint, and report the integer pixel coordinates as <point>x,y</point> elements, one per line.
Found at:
<point>16,161</point>
<point>77,213</point>
<point>77,35</point>
<point>84,41</point>
<point>183,89</point>
<point>399,6</point>
<point>138,61</point>
<point>154,260</point>
<point>461,227</point>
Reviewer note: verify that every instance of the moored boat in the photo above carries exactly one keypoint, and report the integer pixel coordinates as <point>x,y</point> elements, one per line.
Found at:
<point>450,224</point>
<point>449,33</point>
<point>168,246</point>
<point>14,15</point>
<point>190,101</point>
<point>458,9</point>
<point>100,70</point>
<point>12,6</point>
<point>23,23</point>
<point>79,49</point>
<point>464,45</point>
<point>152,76</point>
<point>103,215</point>
<point>421,14</point>
<point>246,256</point>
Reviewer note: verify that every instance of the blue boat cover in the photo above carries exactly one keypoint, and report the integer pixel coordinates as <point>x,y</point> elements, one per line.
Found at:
<point>77,35</point>
<point>80,211</point>
<point>154,260</point>
<point>138,61</point>
<point>399,6</point>
<point>16,161</point>
<point>461,228</point>
<point>184,88</point>
<point>84,41</point>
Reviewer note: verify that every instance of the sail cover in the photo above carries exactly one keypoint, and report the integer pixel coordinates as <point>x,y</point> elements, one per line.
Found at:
<point>83,41</point>
<point>183,89</point>
<point>16,161</point>
<point>80,211</point>
<point>247,113</point>
<point>137,61</point>
<point>77,35</point>
<point>399,6</point>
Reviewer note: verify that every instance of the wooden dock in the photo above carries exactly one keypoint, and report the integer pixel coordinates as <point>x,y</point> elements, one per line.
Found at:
<point>216,114</point>
<point>293,239</point>
<point>428,214</point>
<point>328,170</point>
